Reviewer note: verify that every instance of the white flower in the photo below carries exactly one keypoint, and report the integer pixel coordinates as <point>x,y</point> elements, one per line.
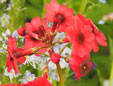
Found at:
<point>2,1</point>
<point>53,75</point>
<point>101,22</point>
<point>28,77</point>
<point>15,34</point>
<point>63,64</point>
<point>1,50</point>
<point>59,36</point>
<point>102,1</point>
<point>33,60</point>
<point>4,20</point>
<point>67,52</point>
<point>6,34</point>
<point>4,46</point>
<point>106,82</point>
<point>52,66</point>
<point>11,4</point>
<point>49,24</point>
<point>10,74</point>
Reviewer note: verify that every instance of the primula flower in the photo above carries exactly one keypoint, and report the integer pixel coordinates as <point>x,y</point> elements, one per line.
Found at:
<point>38,27</point>
<point>81,66</point>
<point>99,36</point>
<point>55,58</point>
<point>81,37</point>
<point>12,58</point>
<point>60,14</point>
<point>40,81</point>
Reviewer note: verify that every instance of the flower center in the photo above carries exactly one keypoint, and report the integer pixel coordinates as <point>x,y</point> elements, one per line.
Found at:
<point>80,38</point>
<point>60,17</point>
<point>41,29</point>
<point>84,67</point>
<point>18,54</point>
<point>11,59</point>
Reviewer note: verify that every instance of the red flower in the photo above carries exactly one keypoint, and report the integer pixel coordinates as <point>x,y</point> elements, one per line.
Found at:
<point>38,27</point>
<point>55,58</point>
<point>12,58</point>
<point>62,14</point>
<point>40,81</point>
<point>81,37</point>
<point>80,65</point>
<point>99,36</point>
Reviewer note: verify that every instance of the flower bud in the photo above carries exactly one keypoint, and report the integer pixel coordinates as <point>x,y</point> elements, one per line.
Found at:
<point>21,31</point>
<point>55,58</point>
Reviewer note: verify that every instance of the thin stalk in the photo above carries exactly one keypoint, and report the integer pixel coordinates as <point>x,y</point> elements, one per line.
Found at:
<point>111,56</point>
<point>64,48</point>
<point>83,6</point>
<point>111,75</point>
<point>100,77</point>
<point>60,74</point>
<point>44,10</point>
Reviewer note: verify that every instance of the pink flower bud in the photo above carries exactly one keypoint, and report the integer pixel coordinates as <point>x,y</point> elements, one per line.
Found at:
<point>21,31</point>
<point>55,58</point>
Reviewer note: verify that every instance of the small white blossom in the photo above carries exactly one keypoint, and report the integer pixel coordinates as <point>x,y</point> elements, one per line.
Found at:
<point>59,36</point>
<point>10,74</point>
<point>102,1</point>
<point>33,60</point>
<point>4,46</point>
<point>10,5</point>
<point>6,34</point>
<point>67,52</point>
<point>101,22</point>
<point>1,50</point>
<point>15,34</point>
<point>106,83</point>
<point>4,20</point>
<point>27,77</point>
<point>63,64</point>
<point>49,24</point>
<point>53,75</point>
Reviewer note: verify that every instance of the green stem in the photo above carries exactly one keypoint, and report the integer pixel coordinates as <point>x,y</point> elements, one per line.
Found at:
<point>111,75</point>
<point>44,10</point>
<point>100,77</point>
<point>83,6</point>
<point>60,74</point>
<point>111,56</point>
<point>64,48</point>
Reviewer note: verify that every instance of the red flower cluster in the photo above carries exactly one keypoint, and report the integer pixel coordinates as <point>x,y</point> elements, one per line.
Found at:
<point>39,38</point>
